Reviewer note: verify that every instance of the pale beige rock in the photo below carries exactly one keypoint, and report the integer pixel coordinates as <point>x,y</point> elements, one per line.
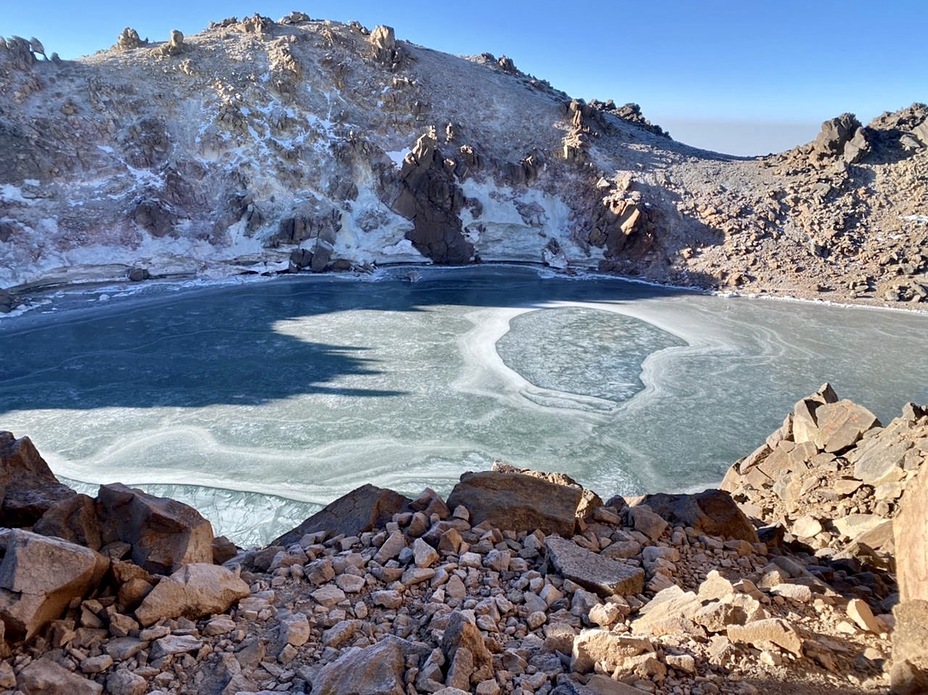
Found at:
<point>592,570</point>
<point>45,677</point>
<point>860,613</point>
<point>607,649</point>
<point>774,630</point>
<point>193,591</point>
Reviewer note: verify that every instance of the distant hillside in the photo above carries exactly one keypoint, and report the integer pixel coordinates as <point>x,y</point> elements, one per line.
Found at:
<point>261,146</point>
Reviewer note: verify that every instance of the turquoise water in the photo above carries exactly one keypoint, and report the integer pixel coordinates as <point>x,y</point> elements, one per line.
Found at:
<point>261,401</point>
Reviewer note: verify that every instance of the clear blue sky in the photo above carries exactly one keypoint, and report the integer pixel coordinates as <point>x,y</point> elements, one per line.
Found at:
<point>745,76</point>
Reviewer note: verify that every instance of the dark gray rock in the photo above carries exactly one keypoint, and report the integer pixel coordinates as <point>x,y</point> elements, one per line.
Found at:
<point>74,519</point>
<point>593,571</point>
<point>712,512</point>
<point>517,502</point>
<point>352,514</point>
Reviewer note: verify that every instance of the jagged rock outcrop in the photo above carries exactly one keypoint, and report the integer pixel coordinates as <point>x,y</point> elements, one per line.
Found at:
<point>833,476</point>
<point>28,488</point>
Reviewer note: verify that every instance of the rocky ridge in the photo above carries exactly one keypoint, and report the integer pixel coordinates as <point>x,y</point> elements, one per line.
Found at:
<point>518,583</point>
<point>303,144</point>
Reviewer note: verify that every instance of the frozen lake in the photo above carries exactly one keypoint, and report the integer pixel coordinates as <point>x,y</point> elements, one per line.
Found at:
<point>259,402</point>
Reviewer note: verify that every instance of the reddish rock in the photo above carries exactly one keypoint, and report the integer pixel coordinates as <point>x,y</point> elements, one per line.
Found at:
<point>28,488</point>
<point>712,512</point>
<point>164,534</point>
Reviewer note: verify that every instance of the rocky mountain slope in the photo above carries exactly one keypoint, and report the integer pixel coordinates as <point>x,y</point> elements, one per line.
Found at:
<point>262,146</point>
<point>520,582</point>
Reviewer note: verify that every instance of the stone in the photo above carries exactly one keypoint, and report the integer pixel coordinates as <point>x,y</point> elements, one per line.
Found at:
<point>592,570</point>
<point>388,598</point>
<point>360,510</point>
<point>391,548</point>
<point>375,670</point>
<point>880,459</point>
<point>860,613</point>
<point>194,591</point>
<point>175,644</point>
<point>910,530</point>
<point>606,649</point>
<point>424,555</point>
<point>340,633</point>
<point>328,596</point>
<point>462,633</point>
<point>96,664</point>
<point>670,611</point>
<point>804,424</point>
<point>40,576</point>
<point>124,682</point>
<point>841,425</point>
<point>795,592</point>
<point>774,630</point>
<point>294,629</point>
<point>856,525</point>
<point>806,527</point>
<point>350,583</point>
<point>909,673</point>
<point>28,488</point>
<point>164,534</point>
<point>712,512</point>
<point>715,587</point>
<point>45,677</point>
<point>645,521</point>
<point>73,519</point>
<point>517,502</point>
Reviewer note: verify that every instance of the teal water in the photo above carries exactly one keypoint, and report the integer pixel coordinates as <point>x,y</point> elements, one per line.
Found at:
<point>259,402</point>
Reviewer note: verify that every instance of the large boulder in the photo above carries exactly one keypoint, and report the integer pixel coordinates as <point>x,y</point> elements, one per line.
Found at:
<point>352,514</point>
<point>712,512</point>
<point>593,571</point>
<point>517,502</point>
<point>28,488</point>
<point>73,519</point>
<point>164,534</point>
<point>375,670</point>
<point>46,677</point>
<point>194,591</point>
<point>40,576</point>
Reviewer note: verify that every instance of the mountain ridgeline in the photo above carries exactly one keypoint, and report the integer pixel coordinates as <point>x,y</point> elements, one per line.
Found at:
<point>303,144</point>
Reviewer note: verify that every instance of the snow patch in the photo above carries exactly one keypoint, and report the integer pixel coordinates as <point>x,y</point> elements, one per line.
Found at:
<point>398,157</point>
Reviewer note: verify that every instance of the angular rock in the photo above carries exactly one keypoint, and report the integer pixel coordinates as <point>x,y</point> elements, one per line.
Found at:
<point>40,576</point>
<point>774,630</point>
<point>670,611</point>
<point>611,650</point>
<point>517,502</point>
<point>910,529</point>
<point>175,644</point>
<point>805,424</point>
<point>461,633</point>
<point>841,425</point>
<point>909,672</point>
<point>645,521</point>
<point>374,670</point>
<point>73,519</point>
<point>45,677</point>
<point>352,514</point>
<point>28,488</point>
<point>194,591</point>
<point>592,570</point>
<point>164,534</point>
<point>124,682</point>
<point>712,512</point>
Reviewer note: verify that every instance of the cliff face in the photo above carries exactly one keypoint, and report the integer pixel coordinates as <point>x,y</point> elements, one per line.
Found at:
<point>302,144</point>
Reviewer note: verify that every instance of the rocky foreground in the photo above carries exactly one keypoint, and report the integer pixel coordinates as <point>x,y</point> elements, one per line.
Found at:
<point>520,582</point>
<point>261,146</point>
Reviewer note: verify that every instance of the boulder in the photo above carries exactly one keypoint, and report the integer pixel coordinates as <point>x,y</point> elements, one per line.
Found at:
<point>517,502</point>
<point>45,677</point>
<point>28,488</point>
<point>72,519</point>
<point>375,670</point>
<point>909,673</point>
<point>841,425</point>
<point>40,576</point>
<point>462,634</point>
<point>804,423</point>
<point>774,630</point>
<point>194,591</point>
<point>712,512</point>
<point>164,534</point>
<point>606,649</point>
<point>352,514</point>
<point>835,134</point>
<point>593,571</point>
<point>671,611</point>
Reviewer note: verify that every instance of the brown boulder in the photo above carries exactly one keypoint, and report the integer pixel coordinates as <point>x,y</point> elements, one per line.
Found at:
<point>517,502</point>
<point>911,540</point>
<point>375,670</point>
<point>45,677</point>
<point>40,576</point>
<point>73,519</point>
<point>712,512</point>
<point>28,488</point>
<point>164,534</point>
<point>841,425</point>
<point>352,514</point>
